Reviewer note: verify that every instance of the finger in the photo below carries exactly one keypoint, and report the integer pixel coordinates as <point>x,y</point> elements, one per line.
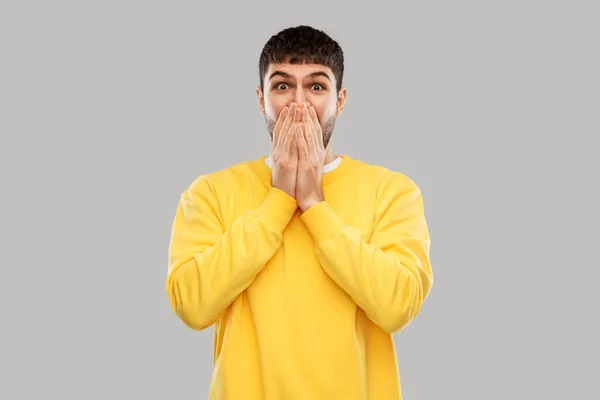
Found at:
<point>289,138</point>
<point>301,143</point>
<point>288,121</point>
<point>282,115</point>
<point>317,126</point>
<point>297,114</point>
<point>309,134</point>
<point>294,148</point>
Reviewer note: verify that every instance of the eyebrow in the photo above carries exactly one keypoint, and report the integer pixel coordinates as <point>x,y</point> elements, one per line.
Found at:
<point>288,76</point>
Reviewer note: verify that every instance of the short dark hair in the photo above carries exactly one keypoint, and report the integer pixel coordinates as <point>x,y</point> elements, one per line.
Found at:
<point>302,45</point>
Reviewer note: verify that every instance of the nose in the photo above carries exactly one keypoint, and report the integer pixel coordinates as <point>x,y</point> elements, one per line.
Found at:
<point>299,97</point>
<point>300,100</point>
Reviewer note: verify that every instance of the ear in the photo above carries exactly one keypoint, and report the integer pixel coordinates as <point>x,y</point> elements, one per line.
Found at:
<point>341,100</point>
<point>261,100</point>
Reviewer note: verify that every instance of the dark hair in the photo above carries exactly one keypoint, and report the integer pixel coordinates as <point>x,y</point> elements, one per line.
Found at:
<point>302,45</point>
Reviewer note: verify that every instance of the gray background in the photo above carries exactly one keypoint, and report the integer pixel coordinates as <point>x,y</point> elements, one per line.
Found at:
<point>110,109</point>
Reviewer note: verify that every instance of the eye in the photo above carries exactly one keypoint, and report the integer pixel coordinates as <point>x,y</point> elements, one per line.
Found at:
<point>279,86</point>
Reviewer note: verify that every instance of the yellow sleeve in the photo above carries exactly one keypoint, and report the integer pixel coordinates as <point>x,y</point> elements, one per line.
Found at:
<point>209,266</point>
<point>389,277</point>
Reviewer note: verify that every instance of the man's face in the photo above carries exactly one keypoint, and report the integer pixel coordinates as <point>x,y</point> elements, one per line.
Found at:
<point>310,85</point>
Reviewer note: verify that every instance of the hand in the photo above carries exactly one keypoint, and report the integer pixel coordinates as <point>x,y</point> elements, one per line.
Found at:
<point>311,157</point>
<point>284,151</point>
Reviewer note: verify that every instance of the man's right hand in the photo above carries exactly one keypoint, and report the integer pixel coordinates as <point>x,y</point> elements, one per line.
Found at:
<point>284,151</point>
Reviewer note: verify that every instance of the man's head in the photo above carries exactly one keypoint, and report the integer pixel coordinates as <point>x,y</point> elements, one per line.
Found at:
<point>305,66</point>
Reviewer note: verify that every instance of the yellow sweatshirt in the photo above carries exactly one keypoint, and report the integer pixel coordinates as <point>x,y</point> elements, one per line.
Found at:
<point>303,304</point>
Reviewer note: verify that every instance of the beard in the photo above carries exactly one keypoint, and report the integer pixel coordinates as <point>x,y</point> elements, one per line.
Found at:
<point>326,128</point>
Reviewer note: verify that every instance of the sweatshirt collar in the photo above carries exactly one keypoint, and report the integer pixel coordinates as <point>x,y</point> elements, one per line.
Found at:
<point>331,171</point>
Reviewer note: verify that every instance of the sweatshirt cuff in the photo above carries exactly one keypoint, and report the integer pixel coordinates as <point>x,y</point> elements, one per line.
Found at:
<point>322,222</point>
<point>277,209</point>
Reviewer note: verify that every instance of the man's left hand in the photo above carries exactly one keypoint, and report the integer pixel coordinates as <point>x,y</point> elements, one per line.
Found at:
<point>311,157</point>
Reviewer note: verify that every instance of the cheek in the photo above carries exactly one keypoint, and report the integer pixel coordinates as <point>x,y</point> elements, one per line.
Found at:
<point>324,114</point>
<point>273,109</point>
<point>325,111</point>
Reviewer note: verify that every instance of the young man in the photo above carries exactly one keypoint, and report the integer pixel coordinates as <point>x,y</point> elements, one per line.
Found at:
<point>305,261</point>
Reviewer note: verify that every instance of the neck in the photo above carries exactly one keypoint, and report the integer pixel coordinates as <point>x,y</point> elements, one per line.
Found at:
<point>329,156</point>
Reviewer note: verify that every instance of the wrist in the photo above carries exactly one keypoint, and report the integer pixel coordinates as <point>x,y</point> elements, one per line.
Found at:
<point>307,205</point>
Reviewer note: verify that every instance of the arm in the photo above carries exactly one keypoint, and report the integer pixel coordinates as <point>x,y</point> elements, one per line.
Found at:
<point>389,277</point>
<point>210,266</point>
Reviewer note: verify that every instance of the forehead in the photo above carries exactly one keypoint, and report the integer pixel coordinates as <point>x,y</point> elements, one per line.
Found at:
<point>299,71</point>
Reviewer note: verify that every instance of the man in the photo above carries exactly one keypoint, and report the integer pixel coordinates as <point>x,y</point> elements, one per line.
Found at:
<point>305,261</point>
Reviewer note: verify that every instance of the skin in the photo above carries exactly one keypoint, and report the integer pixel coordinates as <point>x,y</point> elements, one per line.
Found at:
<point>301,144</point>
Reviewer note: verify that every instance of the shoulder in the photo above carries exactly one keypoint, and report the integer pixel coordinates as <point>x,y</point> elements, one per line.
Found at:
<point>227,178</point>
<point>384,177</point>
